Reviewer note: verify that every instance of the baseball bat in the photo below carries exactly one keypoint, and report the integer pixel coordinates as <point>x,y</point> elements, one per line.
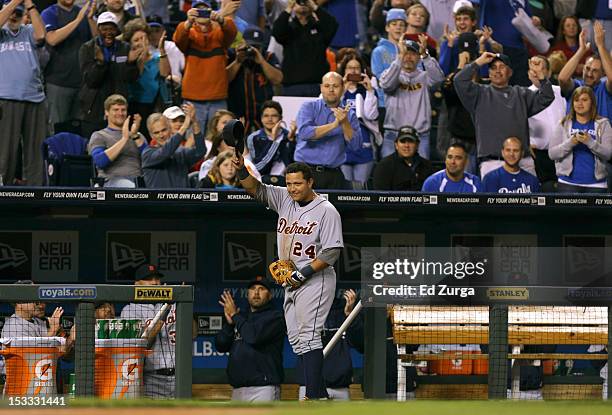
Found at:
<point>342,329</point>
<point>162,311</point>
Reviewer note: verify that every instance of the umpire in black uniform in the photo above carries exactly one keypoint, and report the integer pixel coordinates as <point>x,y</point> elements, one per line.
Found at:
<point>254,338</point>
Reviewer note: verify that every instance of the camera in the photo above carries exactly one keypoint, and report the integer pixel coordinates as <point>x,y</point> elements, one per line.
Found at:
<point>302,2</point>
<point>354,77</point>
<point>250,52</point>
<point>204,13</point>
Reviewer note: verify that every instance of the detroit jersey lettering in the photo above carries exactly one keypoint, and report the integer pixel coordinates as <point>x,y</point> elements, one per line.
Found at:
<point>302,232</point>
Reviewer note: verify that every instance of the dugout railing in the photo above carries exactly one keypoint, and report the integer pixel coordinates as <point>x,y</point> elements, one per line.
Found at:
<point>84,299</point>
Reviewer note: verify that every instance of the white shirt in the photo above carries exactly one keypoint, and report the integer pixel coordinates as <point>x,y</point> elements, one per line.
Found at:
<point>543,125</point>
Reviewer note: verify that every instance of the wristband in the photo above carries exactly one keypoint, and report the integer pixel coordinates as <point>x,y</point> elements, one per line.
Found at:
<point>307,271</point>
<point>31,7</point>
<point>243,173</point>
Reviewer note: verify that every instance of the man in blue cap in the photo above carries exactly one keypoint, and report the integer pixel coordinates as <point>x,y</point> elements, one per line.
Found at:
<point>22,96</point>
<point>252,73</point>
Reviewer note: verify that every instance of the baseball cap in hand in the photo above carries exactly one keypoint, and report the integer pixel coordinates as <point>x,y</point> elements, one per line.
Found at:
<point>468,42</point>
<point>254,36</point>
<point>407,132</point>
<point>147,271</point>
<point>233,135</point>
<point>108,17</point>
<point>174,112</point>
<point>395,14</point>
<point>504,58</point>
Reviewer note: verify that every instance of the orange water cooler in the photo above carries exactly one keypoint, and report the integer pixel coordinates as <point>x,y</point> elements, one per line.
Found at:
<point>119,368</point>
<point>31,365</point>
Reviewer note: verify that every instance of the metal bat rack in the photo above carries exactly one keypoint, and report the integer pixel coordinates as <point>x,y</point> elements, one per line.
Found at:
<point>345,325</point>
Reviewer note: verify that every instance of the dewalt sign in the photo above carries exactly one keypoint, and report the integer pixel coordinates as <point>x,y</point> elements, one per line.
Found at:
<point>152,293</point>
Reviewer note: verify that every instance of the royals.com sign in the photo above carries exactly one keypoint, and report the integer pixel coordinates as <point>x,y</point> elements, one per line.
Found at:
<point>174,254</point>
<point>46,256</point>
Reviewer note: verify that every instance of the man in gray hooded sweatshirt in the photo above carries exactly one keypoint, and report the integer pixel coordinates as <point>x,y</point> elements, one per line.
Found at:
<point>406,85</point>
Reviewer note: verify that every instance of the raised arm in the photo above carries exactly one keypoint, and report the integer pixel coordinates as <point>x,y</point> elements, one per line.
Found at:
<point>565,76</point>
<point>544,96</point>
<point>248,182</point>
<point>37,23</point>
<point>389,79</point>
<point>466,89</point>
<point>57,35</point>
<point>606,60</point>
<point>7,10</point>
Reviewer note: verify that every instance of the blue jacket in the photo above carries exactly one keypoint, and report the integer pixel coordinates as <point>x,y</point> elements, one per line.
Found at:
<point>383,56</point>
<point>255,343</point>
<point>265,152</point>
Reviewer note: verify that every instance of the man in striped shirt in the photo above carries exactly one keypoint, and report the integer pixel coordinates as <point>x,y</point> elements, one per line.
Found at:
<point>454,178</point>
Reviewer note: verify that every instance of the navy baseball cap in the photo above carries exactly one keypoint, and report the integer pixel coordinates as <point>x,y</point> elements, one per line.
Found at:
<point>254,36</point>
<point>155,21</point>
<point>408,132</point>
<point>412,45</point>
<point>468,42</point>
<point>504,58</point>
<point>259,280</point>
<point>147,271</point>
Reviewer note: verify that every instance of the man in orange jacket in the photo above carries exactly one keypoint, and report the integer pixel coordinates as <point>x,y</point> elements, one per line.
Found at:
<point>204,38</point>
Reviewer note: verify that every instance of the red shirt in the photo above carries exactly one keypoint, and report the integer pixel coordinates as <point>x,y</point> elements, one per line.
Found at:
<point>568,52</point>
<point>432,45</point>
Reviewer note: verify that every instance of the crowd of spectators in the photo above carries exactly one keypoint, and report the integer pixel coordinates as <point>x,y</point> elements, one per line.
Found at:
<point>405,95</point>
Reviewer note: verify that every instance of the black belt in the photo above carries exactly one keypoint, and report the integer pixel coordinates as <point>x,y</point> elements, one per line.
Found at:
<point>489,158</point>
<point>205,54</point>
<point>165,372</point>
<point>320,168</point>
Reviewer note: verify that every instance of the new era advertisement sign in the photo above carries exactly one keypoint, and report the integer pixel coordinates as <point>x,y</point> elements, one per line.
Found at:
<point>46,256</point>
<point>348,267</point>
<point>174,254</point>
<point>244,255</point>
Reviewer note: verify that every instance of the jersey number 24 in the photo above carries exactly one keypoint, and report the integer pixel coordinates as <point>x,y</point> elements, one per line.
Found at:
<point>309,251</point>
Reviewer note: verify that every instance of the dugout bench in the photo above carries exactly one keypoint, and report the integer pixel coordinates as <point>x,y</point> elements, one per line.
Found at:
<point>524,325</point>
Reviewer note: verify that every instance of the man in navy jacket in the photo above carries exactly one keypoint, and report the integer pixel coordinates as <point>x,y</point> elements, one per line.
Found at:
<point>254,338</point>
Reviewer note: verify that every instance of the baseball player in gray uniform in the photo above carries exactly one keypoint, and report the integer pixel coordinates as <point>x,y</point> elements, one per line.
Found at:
<point>309,233</point>
<point>29,319</point>
<point>159,380</point>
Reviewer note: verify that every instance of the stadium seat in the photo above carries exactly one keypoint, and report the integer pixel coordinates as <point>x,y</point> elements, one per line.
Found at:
<point>66,160</point>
